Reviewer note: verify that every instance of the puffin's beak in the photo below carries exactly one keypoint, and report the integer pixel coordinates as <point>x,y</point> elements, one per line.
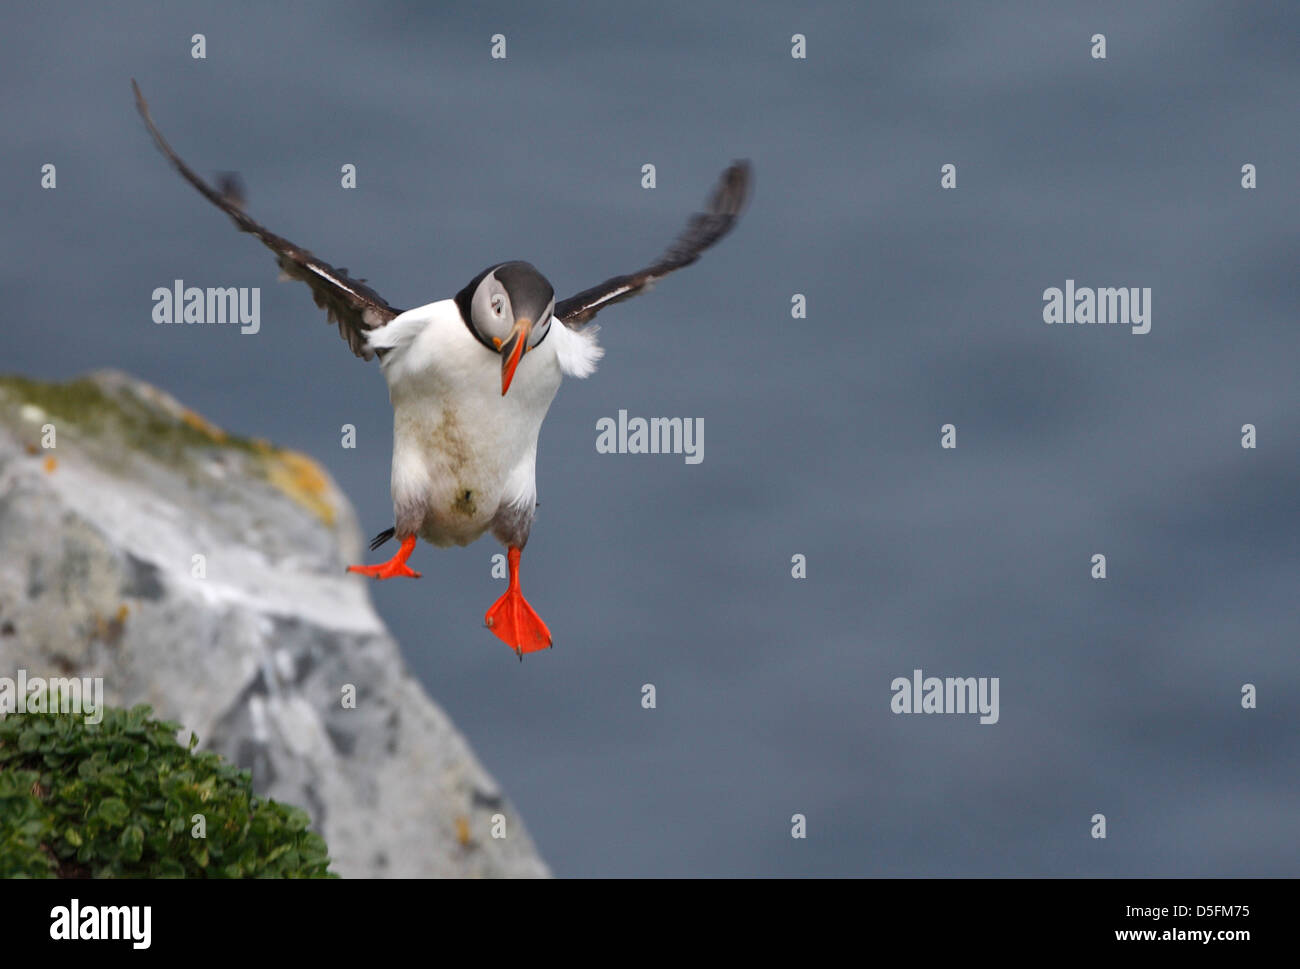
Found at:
<point>513,350</point>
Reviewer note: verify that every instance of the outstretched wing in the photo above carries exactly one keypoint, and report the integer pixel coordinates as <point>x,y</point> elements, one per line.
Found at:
<point>704,229</point>
<point>350,303</point>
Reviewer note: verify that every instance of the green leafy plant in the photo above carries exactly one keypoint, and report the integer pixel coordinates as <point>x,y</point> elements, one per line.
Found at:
<point>123,799</point>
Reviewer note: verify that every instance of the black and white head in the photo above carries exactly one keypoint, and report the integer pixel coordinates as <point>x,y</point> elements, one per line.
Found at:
<point>508,308</point>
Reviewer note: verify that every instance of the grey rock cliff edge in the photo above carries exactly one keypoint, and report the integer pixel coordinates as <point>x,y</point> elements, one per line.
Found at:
<point>203,574</point>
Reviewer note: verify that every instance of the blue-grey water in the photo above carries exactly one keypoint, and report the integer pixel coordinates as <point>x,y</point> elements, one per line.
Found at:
<point>1119,696</point>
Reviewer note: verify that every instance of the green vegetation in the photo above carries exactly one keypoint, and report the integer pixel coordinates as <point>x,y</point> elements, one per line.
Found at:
<point>119,799</point>
<point>122,421</point>
<point>142,424</point>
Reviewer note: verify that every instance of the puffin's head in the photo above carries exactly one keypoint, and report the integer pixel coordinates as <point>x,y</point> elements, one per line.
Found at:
<point>508,308</point>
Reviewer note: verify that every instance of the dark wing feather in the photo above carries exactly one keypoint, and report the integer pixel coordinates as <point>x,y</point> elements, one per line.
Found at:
<point>350,303</point>
<point>704,229</point>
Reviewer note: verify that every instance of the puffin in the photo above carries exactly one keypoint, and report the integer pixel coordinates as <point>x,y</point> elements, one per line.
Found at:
<point>471,379</point>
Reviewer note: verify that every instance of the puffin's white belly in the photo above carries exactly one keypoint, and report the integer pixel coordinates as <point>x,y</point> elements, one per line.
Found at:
<point>453,466</point>
<point>460,449</point>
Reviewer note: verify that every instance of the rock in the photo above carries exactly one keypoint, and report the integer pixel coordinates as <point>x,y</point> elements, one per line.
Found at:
<point>203,574</point>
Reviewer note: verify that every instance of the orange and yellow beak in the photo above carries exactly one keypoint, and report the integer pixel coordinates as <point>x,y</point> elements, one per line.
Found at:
<point>513,350</point>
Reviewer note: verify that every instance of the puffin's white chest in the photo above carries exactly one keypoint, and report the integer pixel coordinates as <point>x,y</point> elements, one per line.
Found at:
<point>460,449</point>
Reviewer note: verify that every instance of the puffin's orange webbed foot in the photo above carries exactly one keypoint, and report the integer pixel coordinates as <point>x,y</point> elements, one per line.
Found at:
<point>513,620</point>
<point>393,567</point>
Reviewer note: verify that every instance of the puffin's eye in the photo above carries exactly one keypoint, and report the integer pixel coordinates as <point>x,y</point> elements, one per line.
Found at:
<point>498,304</point>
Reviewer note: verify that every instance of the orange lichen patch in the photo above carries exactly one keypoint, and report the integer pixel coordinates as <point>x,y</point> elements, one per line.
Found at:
<point>262,446</point>
<point>50,464</point>
<point>462,830</point>
<point>203,426</point>
<point>110,630</point>
<point>303,480</point>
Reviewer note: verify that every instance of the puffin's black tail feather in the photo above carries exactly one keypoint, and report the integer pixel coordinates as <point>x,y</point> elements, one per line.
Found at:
<point>382,537</point>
